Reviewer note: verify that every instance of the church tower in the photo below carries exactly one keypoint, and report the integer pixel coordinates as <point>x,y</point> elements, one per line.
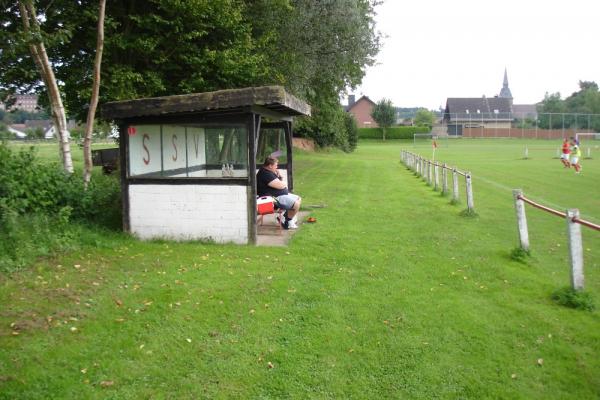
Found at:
<point>505,91</point>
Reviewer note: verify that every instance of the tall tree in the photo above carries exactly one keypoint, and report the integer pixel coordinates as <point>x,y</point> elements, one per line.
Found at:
<point>318,49</point>
<point>162,47</point>
<point>89,126</point>
<point>33,36</point>
<point>384,113</point>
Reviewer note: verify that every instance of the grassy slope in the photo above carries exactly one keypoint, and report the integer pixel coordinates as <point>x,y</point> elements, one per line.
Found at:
<point>390,294</point>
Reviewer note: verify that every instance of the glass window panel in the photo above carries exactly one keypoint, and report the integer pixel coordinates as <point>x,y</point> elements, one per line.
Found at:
<point>271,142</point>
<point>182,151</point>
<point>144,150</point>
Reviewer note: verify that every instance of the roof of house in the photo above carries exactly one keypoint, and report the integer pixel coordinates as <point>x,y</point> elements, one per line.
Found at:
<point>365,98</point>
<point>479,108</point>
<point>273,99</point>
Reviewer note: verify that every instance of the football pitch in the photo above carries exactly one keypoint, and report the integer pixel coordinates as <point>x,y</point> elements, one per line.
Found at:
<point>501,163</point>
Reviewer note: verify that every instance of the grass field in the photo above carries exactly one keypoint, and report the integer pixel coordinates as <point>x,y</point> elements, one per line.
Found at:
<point>391,294</point>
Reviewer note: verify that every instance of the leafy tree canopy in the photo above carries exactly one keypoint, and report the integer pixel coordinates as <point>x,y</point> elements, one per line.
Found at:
<point>424,117</point>
<point>316,49</point>
<point>581,110</point>
<point>384,113</point>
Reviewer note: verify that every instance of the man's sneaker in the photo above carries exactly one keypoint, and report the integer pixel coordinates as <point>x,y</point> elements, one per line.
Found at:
<point>291,224</point>
<point>281,221</point>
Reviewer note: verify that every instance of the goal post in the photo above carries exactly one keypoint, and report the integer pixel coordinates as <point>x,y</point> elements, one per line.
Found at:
<point>587,137</point>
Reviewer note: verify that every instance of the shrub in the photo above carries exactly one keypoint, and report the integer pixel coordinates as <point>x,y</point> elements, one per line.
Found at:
<point>519,254</point>
<point>41,206</point>
<point>351,131</point>
<point>572,298</point>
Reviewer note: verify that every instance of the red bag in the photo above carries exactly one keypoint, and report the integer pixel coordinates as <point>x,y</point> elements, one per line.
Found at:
<point>265,205</point>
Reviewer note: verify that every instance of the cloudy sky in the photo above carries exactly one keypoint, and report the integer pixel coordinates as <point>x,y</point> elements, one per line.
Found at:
<point>436,49</point>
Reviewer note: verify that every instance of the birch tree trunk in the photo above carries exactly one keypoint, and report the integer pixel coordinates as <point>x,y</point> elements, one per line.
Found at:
<point>89,126</point>
<point>31,27</point>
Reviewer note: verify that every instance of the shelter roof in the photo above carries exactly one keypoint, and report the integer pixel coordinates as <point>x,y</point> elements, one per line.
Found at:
<point>273,99</point>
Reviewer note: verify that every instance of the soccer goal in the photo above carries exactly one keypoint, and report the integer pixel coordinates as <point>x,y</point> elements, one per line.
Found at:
<point>587,136</point>
<point>590,139</point>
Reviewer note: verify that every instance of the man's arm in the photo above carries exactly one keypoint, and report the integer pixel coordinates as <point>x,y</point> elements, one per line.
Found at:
<point>277,184</point>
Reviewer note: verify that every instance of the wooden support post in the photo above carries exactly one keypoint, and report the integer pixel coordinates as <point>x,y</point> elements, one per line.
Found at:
<point>521,219</point>
<point>444,179</point>
<point>436,176</point>
<point>454,185</point>
<point>575,249</point>
<point>470,204</point>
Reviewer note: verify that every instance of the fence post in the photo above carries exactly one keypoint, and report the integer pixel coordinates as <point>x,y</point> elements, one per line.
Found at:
<point>429,172</point>
<point>436,176</point>
<point>470,205</point>
<point>521,219</point>
<point>575,249</point>
<point>444,179</point>
<point>454,185</point>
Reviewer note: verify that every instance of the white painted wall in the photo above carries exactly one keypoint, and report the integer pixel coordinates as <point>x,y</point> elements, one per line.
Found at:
<point>184,212</point>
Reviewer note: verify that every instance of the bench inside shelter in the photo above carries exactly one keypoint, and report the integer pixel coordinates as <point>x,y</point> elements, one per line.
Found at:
<point>188,162</point>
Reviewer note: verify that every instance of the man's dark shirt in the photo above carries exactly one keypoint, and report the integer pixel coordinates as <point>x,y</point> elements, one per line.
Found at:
<point>263,177</point>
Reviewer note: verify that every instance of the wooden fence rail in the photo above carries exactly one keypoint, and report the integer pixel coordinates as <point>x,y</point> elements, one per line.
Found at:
<point>430,172</point>
<point>573,229</point>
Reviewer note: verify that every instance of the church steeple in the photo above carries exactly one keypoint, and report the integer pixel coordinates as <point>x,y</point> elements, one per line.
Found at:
<point>505,92</point>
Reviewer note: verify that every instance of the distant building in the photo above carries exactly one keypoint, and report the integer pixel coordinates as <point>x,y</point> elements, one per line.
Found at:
<point>524,111</point>
<point>505,91</point>
<point>25,102</point>
<point>361,109</point>
<point>479,112</point>
<point>46,126</point>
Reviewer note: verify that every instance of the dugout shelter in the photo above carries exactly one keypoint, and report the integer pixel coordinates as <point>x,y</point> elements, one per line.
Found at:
<point>188,162</point>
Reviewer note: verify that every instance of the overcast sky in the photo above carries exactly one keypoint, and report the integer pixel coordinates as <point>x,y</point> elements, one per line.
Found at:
<point>435,49</point>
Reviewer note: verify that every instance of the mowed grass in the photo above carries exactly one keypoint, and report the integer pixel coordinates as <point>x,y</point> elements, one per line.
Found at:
<point>391,294</point>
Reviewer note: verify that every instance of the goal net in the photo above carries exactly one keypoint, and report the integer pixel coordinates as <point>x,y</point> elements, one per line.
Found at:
<point>587,141</point>
<point>585,136</point>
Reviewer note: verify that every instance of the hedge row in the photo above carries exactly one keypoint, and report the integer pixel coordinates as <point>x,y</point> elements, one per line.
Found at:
<point>395,132</point>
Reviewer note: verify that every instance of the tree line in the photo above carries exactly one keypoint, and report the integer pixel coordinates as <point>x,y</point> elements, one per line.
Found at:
<point>580,110</point>
<point>315,48</point>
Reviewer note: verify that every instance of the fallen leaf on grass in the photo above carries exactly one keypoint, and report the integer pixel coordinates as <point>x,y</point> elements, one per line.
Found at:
<point>514,376</point>
<point>106,384</point>
<point>540,361</point>
<point>270,365</point>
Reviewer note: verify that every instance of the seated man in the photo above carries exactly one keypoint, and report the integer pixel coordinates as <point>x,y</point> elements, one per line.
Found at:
<point>270,183</point>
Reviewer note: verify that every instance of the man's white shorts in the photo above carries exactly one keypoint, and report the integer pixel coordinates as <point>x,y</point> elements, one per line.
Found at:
<point>574,160</point>
<point>564,156</point>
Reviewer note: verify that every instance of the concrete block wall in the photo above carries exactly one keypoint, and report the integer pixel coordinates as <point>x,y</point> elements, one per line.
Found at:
<point>185,212</point>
